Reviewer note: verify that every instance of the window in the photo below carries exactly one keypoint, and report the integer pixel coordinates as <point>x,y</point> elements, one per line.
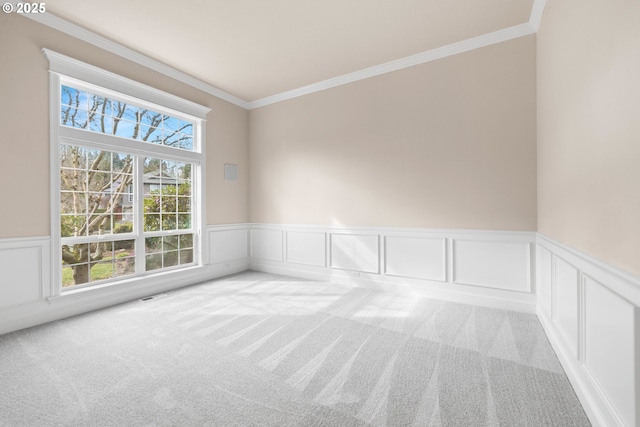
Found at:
<point>128,196</point>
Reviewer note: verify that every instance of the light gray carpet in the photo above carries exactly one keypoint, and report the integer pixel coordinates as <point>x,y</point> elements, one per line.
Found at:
<point>263,350</point>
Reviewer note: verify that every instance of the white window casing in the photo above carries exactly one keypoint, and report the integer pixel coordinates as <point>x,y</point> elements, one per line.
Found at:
<point>76,74</point>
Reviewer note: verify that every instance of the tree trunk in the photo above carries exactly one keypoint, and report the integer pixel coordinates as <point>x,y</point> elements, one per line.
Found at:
<point>80,274</point>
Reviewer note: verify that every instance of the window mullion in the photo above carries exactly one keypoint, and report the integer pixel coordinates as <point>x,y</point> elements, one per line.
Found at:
<point>138,213</point>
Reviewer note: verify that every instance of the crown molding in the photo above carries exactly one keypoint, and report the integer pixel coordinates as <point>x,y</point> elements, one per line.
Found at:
<point>536,14</point>
<point>488,39</point>
<point>116,48</point>
<point>409,61</point>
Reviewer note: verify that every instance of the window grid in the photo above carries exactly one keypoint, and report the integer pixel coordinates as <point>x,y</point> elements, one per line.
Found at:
<point>116,259</point>
<point>90,190</point>
<point>85,110</point>
<point>99,186</point>
<point>163,252</point>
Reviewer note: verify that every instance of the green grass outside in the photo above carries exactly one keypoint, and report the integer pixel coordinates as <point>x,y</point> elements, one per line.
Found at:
<point>98,271</point>
<point>67,276</point>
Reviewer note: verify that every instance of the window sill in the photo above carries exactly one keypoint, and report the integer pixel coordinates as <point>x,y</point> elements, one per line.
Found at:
<point>134,287</point>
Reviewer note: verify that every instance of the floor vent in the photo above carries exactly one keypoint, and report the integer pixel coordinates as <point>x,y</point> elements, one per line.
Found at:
<point>151,298</point>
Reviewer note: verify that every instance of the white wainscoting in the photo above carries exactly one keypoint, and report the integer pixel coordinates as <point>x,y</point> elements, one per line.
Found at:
<point>565,283</point>
<point>416,257</point>
<point>355,252</point>
<point>24,271</point>
<point>267,244</point>
<point>590,313</point>
<point>544,276</point>
<point>502,265</point>
<point>26,297</point>
<point>491,268</point>
<point>228,243</point>
<point>306,247</point>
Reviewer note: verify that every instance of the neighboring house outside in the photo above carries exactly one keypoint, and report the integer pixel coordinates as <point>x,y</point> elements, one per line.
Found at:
<point>153,181</point>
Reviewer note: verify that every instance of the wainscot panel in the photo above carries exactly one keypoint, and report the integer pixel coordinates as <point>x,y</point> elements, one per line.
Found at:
<point>545,282</point>
<point>355,252</point>
<point>267,244</point>
<point>24,270</point>
<point>566,300</point>
<point>306,247</point>
<point>416,257</point>
<point>418,262</point>
<point>609,346</point>
<point>594,329</point>
<point>228,244</point>
<point>503,265</point>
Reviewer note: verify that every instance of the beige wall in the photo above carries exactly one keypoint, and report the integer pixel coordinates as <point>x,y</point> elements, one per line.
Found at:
<point>24,105</point>
<point>449,143</point>
<point>589,128</point>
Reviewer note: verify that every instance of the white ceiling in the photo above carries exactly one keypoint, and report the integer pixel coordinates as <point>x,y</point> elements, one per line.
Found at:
<point>258,48</point>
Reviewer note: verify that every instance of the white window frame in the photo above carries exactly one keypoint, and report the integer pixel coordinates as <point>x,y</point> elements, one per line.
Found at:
<point>68,71</point>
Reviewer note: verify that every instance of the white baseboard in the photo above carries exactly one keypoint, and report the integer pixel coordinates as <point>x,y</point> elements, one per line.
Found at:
<point>589,311</point>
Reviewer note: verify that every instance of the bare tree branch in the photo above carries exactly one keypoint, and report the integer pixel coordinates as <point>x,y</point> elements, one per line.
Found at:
<point>115,198</point>
<point>121,107</point>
